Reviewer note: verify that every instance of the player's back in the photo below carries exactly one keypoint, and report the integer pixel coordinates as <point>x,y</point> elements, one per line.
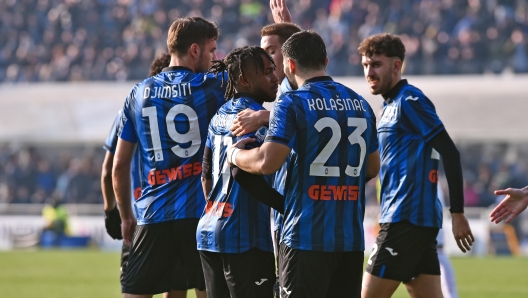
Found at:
<point>168,115</point>
<point>331,130</point>
<point>233,221</point>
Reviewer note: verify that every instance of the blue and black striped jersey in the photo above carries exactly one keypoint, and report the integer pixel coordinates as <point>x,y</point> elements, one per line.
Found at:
<point>168,115</point>
<point>331,131</point>
<point>409,164</point>
<point>111,145</point>
<point>233,221</point>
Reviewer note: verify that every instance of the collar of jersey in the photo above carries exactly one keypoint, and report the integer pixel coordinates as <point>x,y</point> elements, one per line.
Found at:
<point>174,68</point>
<point>318,79</point>
<point>389,96</point>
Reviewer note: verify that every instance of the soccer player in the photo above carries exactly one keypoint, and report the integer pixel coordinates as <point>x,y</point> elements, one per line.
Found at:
<point>513,204</point>
<point>233,235</point>
<point>112,217</point>
<point>166,118</point>
<point>330,131</point>
<point>412,138</point>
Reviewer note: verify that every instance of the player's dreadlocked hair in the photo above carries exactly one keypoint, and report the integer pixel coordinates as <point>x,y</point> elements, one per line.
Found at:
<point>235,62</point>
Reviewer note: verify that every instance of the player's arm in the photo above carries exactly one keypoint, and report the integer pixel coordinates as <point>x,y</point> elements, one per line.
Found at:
<point>207,172</point>
<point>280,11</point>
<point>515,202</point>
<point>122,186</point>
<point>373,165</point>
<point>259,188</point>
<point>443,143</point>
<point>249,121</point>
<point>263,160</point>
<point>112,217</point>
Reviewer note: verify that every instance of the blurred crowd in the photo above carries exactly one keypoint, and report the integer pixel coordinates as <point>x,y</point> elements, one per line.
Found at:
<point>79,40</point>
<point>71,174</point>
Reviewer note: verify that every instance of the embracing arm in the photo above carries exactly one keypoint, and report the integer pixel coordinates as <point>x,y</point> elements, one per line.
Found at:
<point>259,188</point>
<point>263,160</point>
<point>249,121</point>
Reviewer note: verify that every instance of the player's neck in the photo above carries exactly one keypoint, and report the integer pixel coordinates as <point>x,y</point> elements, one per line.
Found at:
<point>182,61</point>
<point>301,77</point>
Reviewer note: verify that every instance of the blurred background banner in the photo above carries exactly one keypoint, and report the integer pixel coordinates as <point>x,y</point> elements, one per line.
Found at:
<point>66,67</point>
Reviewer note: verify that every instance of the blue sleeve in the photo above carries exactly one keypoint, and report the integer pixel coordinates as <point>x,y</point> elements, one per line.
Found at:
<point>128,130</point>
<point>111,141</point>
<point>421,115</point>
<point>283,120</point>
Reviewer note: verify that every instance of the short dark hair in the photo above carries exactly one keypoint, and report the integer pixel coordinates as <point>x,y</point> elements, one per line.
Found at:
<point>386,44</point>
<point>282,30</point>
<point>307,48</point>
<point>183,32</point>
<point>235,62</point>
<point>159,64</point>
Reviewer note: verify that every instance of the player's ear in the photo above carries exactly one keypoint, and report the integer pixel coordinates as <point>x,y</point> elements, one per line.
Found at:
<point>243,81</point>
<point>293,67</point>
<point>397,64</point>
<point>326,62</point>
<point>195,50</point>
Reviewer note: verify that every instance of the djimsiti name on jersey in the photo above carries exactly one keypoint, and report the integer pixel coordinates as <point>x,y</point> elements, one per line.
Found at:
<point>337,104</point>
<point>167,91</point>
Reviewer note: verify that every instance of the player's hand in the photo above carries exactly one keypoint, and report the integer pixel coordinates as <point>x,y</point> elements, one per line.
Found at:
<point>113,223</point>
<point>515,202</point>
<point>246,121</point>
<point>280,11</point>
<point>462,232</point>
<point>127,228</point>
<point>236,147</point>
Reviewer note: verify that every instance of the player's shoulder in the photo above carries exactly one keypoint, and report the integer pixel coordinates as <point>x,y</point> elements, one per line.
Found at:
<point>410,93</point>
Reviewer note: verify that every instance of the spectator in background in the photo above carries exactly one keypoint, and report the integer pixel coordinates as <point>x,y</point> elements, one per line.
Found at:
<point>55,221</point>
<point>44,40</point>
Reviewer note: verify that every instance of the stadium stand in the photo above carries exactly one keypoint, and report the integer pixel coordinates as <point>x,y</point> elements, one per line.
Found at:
<point>73,40</point>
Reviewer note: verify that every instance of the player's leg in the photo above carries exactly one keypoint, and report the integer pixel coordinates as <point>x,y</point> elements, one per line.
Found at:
<point>175,294</point>
<point>250,274</point>
<point>276,240</point>
<point>346,278</point>
<point>303,273</point>
<point>376,287</point>
<point>151,261</point>
<point>425,286</point>
<point>188,255</point>
<point>213,269</point>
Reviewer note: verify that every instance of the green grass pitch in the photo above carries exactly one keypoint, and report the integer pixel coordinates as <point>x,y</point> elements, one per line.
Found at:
<point>92,273</point>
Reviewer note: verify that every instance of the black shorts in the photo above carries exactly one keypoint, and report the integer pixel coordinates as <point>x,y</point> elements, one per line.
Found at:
<point>319,274</point>
<point>403,251</point>
<point>154,256</point>
<point>250,274</point>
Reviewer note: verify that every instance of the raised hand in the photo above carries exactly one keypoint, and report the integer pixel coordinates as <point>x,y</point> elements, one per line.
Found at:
<point>515,202</point>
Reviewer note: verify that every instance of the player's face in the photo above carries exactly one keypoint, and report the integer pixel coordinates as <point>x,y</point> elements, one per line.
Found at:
<point>272,45</point>
<point>207,55</point>
<point>378,71</point>
<point>290,76</point>
<point>264,84</point>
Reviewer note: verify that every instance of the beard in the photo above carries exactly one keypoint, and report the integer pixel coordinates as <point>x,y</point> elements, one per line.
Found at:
<point>384,86</point>
<point>262,95</point>
<point>291,79</point>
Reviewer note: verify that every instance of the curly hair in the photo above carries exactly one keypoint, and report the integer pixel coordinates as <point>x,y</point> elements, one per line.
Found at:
<point>159,64</point>
<point>235,62</point>
<point>386,44</point>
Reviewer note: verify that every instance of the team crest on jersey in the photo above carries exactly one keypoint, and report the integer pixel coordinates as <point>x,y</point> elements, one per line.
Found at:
<point>260,134</point>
